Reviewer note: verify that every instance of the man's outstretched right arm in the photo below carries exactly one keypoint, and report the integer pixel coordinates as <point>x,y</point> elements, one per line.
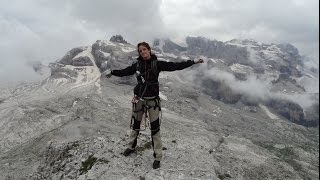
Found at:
<point>130,70</point>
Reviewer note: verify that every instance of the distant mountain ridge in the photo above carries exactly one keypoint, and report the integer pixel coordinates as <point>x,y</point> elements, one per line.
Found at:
<point>280,65</point>
<point>248,112</point>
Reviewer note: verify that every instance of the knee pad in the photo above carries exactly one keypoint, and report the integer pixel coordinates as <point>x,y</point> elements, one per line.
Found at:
<point>136,123</point>
<point>155,127</point>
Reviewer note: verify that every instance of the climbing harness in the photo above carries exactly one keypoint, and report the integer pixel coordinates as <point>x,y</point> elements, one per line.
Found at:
<point>145,121</point>
<point>144,83</point>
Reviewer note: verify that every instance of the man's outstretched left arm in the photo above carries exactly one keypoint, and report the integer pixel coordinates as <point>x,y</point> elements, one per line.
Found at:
<point>173,66</point>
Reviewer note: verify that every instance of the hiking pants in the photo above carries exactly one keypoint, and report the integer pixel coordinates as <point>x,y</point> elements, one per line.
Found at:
<point>153,108</point>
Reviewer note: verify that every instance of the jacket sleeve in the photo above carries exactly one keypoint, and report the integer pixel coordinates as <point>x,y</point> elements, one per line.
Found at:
<point>130,70</point>
<point>173,66</point>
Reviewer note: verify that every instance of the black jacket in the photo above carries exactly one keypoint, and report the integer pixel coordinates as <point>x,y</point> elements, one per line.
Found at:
<point>150,85</point>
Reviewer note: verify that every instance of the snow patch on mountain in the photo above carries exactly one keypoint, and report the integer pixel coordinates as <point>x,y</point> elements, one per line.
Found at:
<point>270,114</point>
<point>128,49</point>
<point>239,68</point>
<point>86,75</point>
<point>105,54</point>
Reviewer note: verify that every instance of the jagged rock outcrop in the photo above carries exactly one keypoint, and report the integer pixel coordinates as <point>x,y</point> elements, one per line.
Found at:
<point>290,110</point>
<point>220,91</point>
<point>57,71</point>
<point>68,58</point>
<point>72,58</point>
<point>217,49</point>
<point>287,79</point>
<point>291,54</point>
<point>110,56</point>
<point>82,61</point>
<point>102,55</point>
<point>168,46</point>
<point>290,70</point>
<point>283,58</point>
<point>118,39</point>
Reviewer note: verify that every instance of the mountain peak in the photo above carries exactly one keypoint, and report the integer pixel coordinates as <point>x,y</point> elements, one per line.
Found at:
<point>118,39</point>
<point>228,117</point>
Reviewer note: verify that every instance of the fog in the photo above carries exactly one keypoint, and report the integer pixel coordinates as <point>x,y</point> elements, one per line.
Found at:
<point>44,30</point>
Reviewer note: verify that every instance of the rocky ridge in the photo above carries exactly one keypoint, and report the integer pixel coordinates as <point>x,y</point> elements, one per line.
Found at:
<point>75,124</point>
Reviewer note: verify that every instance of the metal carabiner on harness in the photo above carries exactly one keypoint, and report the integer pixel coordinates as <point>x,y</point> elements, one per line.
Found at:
<point>139,77</point>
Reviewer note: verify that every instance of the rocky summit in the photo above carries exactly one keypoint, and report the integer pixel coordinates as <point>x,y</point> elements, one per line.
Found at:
<point>251,111</point>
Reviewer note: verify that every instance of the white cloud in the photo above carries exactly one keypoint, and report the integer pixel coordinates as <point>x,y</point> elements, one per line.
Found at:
<point>45,30</point>
<point>255,88</point>
<point>252,87</point>
<point>291,21</point>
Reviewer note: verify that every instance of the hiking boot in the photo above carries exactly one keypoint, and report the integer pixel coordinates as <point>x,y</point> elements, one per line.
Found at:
<point>156,164</point>
<point>128,151</point>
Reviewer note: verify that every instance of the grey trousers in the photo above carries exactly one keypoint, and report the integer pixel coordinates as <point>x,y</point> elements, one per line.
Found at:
<point>153,113</point>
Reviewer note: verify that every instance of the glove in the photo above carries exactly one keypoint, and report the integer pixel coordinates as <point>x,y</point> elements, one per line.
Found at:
<point>199,61</point>
<point>109,75</point>
<point>106,73</point>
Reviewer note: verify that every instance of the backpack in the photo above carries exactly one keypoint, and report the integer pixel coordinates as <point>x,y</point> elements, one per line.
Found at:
<point>154,68</point>
<point>143,85</point>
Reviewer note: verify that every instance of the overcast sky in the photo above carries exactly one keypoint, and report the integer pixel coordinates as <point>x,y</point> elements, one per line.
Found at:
<point>44,30</point>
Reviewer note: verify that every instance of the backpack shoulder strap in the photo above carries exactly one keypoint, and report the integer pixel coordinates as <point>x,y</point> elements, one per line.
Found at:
<point>154,66</point>
<point>138,66</point>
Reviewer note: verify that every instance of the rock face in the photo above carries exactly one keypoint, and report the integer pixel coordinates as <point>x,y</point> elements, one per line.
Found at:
<point>168,47</point>
<point>58,71</point>
<point>111,54</point>
<point>82,61</point>
<point>215,124</point>
<point>74,58</point>
<point>217,49</point>
<point>118,39</point>
<point>220,91</point>
<point>312,115</point>
<point>279,64</point>
<point>292,111</point>
<point>291,54</point>
<point>68,58</point>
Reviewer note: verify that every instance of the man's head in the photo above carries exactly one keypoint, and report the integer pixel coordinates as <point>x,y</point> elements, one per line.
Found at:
<point>144,50</point>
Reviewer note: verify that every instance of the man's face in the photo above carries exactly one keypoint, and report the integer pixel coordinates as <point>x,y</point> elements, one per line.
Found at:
<point>144,52</point>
